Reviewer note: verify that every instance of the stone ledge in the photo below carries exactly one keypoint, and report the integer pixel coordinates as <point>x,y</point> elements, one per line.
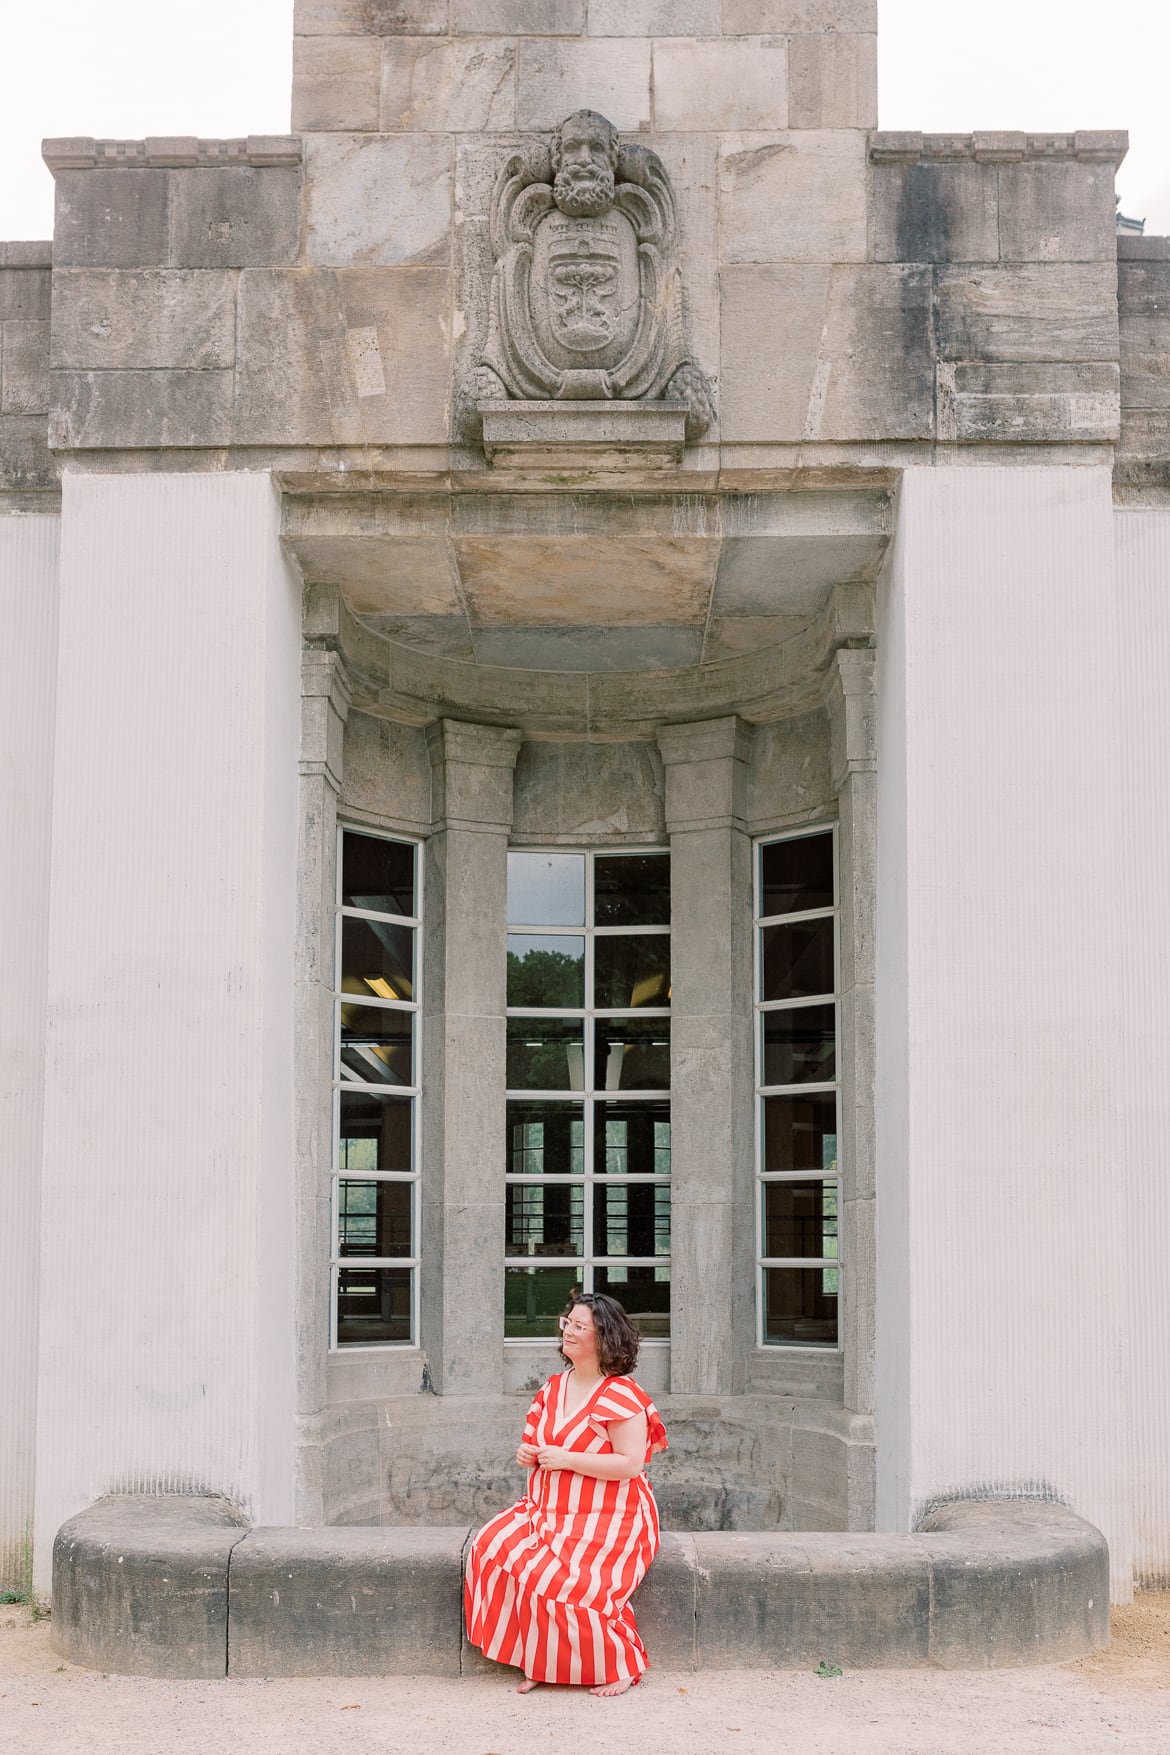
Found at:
<point>576,435</point>
<point>1002,147</point>
<point>27,255</point>
<point>83,153</point>
<point>179,1587</point>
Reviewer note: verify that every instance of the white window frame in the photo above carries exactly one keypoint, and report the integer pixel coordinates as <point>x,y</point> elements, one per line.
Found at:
<point>413,1092</point>
<point>761,1007</point>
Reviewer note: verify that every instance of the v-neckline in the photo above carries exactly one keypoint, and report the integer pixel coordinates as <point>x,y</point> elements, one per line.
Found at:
<point>564,1420</point>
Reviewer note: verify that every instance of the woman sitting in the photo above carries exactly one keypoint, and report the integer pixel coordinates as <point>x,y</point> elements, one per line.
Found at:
<point>549,1581</point>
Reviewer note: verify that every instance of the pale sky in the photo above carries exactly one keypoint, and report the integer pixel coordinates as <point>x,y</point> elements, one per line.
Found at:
<point>221,68</point>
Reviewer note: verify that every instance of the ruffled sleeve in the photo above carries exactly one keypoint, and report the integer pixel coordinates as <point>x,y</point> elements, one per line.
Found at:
<point>621,1399</point>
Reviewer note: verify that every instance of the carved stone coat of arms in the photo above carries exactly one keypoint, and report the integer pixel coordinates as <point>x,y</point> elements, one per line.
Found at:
<point>586,293</point>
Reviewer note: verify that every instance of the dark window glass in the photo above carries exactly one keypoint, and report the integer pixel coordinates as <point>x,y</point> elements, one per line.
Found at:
<point>800,1218</point>
<point>797,874</point>
<point>631,1139</point>
<point>544,1219</point>
<point>376,874</point>
<point>798,959</point>
<point>545,1139</point>
<point>373,1218</point>
<point>534,1297</point>
<point>631,1218</point>
<point>800,1045</point>
<point>645,1294</point>
<point>800,1307</point>
<point>546,1054</point>
<point>375,1132</point>
<point>631,889</point>
<point>800,1133</point>
<point>376,1044</point>
<point>546,971</point>
<point>373,1304</point>
<point>377,958</point>
<point>630,972</point>
<point>632,1054</point>
<point>546,889</point>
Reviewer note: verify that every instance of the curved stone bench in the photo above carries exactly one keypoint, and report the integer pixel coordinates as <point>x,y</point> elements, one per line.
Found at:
<point>184,1588</point>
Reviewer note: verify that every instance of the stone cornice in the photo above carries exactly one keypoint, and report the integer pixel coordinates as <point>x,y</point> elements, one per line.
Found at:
<point>1000,146</point>
<point>82,153</point>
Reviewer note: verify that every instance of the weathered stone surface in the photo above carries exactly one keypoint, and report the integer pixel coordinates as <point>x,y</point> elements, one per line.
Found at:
<point>24,294</point>
<point>567,790</point>
<point>336,82</point>
<point>1023,402</point>
<point>653,18</point>
<point>554,18</point>
<point>1145,361</point>
<point>738,83</point>
<point>388,18</point>
<point>140,1586</point>
<point>380,201</point>
<point>384,575</point>
<point>934,211</point>
<point>24,368</point>
<point>662,1601</point>
<point>461,86</point>
<point>26,463</point>
<point>796,198</point>
<point>112,218</point>
<point>583,435</point>
<point>543,581</point>
<point>1035,312</point>
<point>359,355</point>
<point>1143,283</point>
<point>1057,212</point>
<point>140,410</point>
<point>589,648</point>
<point>611,76</point>
<point>240,216</point>
<point>347,1602</point>
<point>742,17</point>
<point>832,81</point>
<point>109,317</point>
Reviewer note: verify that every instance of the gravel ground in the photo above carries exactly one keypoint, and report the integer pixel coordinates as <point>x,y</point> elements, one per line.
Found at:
<point>1114,1700</point>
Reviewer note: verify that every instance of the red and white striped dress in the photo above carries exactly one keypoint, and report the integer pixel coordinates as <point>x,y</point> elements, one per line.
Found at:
<point>549,1581</point>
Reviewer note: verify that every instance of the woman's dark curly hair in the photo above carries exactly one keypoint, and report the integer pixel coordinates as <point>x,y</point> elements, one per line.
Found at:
<point>617,1338</point>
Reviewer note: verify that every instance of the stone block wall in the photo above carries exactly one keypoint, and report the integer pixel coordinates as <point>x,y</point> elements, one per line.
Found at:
<point>25,273</point>
<point>1143,296</point>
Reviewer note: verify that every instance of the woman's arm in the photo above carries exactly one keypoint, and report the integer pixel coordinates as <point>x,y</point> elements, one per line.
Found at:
<point>628,1438</point>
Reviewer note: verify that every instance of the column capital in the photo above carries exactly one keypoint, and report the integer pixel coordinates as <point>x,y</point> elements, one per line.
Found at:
<point>471,773</point>
<point>849,698</point>
<point>706,772</point>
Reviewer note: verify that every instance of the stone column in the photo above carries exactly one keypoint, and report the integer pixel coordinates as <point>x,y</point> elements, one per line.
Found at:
<point>850,701</point>
<point>464,1056</point>
<point>713,1229</point>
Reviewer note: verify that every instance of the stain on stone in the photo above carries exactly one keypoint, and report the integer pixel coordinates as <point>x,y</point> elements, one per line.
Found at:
<point>752,163</point>
<point>925,219</point>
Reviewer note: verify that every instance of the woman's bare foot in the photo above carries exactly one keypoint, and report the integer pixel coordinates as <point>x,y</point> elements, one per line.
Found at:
<point>607,1690</point>
<point>527,1685</point>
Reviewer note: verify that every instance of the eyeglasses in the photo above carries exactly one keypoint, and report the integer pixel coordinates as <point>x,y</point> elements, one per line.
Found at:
<point>573,1328</point>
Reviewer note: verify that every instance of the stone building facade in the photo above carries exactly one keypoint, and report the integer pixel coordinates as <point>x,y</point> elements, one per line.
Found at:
<point>601,733</point>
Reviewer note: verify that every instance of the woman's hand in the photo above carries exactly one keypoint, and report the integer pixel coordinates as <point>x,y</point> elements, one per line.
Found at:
<point>526,1456</point>
<point>555,1456</point>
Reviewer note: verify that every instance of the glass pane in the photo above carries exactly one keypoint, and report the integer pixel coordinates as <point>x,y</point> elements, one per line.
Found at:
<point>631,1218</point>
<point>546,971</point>
<point>631,889</point>
<point>376,1044</point>
<point>373,1304</point>
<point>800,1045</point>
<point>546,1054</point>
<point>631,1139</point>
<point>800,1218</point>
<point>631,972</point>
<point>375,1132</point>
<point>800,1307</point>
<point>377,957</point>
<point>800,1133</point>
<point>632,1054</point>
<point>644,1292</point>
<point>533,1299</point>
<point>797,874</point>
<point>377,874</point>
<point>373,1218</point>
<point>798,960</point>
<point>545,1139</point>
<point>546,889</point>
<point>544,1219</point>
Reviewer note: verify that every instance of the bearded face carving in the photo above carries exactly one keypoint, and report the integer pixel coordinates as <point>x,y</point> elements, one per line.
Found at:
<point>586,298</point>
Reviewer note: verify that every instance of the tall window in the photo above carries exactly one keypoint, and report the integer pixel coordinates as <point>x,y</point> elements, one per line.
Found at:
<point>376,1054</point>
<point>796,1083</point>
<point>587,1154</point>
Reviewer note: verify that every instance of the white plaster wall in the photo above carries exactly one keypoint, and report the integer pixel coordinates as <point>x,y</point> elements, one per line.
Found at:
<point>28,614</point>
<point>166,1310</point>
<point>1143,597</point>
<point>1002,1176</point>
